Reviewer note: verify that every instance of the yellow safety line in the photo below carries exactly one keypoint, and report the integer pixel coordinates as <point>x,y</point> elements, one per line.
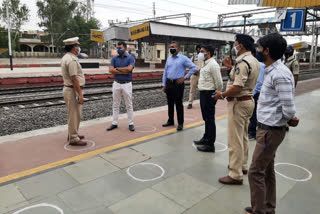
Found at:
<point>94,153</point>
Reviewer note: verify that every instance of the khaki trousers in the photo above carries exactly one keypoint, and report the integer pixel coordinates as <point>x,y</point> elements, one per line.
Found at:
<point>193,86</point>
<point>74,110</point>
<point>239,113</point>
<point>262,177</point>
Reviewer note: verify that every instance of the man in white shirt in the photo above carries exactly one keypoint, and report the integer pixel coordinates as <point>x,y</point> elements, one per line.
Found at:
<point>210,80</point>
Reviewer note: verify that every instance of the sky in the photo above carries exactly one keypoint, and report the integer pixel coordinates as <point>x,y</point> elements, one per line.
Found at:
<point>202,11</point>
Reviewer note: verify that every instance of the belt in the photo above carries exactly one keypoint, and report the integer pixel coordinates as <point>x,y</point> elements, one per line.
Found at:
<point>266,127</point>
<point>243,98</point>
<point>71,86</point>
<point>122,82</point>
<point>171,80</point>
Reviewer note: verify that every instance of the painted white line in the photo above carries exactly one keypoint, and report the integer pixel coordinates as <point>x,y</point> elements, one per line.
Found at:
<point>151,129</point>
<point>40,205</point>
<point>293,179</point>
<point>219,150</point>
<point>144,180</point>
<point>93,144</point>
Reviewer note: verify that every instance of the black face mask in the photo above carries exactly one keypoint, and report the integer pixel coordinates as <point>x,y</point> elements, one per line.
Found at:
<point>260,57</point>
<point>173,51</point>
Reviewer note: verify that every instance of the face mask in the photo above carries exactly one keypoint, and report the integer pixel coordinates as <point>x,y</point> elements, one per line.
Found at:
<point>235,50</point>
<point>120,51</point>
<point>173,50</point>
<point>260,57</point>
<point>201,56</point>
<point>79,51</point>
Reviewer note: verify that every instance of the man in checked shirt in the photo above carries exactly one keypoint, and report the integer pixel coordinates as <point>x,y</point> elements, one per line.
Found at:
<point>275,109</point>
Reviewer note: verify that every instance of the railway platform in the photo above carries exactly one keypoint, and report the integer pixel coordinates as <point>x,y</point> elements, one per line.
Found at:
<point>154,169</point>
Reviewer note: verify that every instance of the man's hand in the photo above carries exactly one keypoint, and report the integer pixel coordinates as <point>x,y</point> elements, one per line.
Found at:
<point>293,122</point>
<point>164,89</point>
<point>180,81</point>
<point>217,96</point>
<point>80,99</point>
<point>227,62</point>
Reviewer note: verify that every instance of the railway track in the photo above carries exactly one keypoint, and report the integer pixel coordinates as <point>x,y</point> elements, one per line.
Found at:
<point>51,95</point>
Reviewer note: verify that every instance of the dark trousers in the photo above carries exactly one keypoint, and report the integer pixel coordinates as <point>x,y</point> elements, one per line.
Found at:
<point>208,108</point>
<point>252,129</point>
<point>262,178</point>
<point>174,93</point>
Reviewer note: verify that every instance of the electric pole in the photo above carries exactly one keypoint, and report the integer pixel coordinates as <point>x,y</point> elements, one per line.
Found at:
<point>154,10</point>
<point>9,36</point>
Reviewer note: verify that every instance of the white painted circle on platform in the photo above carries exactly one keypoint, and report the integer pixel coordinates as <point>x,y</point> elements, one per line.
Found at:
<point>149,129</point>
<point>293,179</point>
<point>40,205</point>
<point>219,150</point>
<point>190,118</point>
<point>93,144</point>
<point>144,180</point>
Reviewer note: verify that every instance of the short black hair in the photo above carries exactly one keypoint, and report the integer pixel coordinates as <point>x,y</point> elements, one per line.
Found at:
<point>209,49</point>
<point>68,48</point>
<point>122,43</point>
<point>175,42</point>
<point>246,40</point>
<point>276,43</point>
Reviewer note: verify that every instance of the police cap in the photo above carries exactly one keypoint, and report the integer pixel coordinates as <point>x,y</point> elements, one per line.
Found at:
<point>71,41</point>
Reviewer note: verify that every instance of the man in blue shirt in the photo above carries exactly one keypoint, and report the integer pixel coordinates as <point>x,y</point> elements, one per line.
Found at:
<point>173,83</point>
<point>252,129</point>
<point>121,66</point>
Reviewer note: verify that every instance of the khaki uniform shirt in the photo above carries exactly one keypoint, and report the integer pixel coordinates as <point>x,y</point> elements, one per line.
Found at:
<point>239,75</point>
<point>70,66</point>
<point>293,65</point>
<point>198,63</point>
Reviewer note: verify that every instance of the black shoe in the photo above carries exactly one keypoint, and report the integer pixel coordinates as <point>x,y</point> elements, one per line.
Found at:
<point>287,128</point>
<point>167,124</point>
<point>180,128</point>
<point>206,148</point>
<point>131,128</point>
<point>248,210</point>
<point>251,137</point>
<point>200,142</point>
<point>189,106</point>
<point>112,127</point>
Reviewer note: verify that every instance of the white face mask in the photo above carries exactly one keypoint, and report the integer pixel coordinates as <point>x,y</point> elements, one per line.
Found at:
<point>79,50</point>
<point>201,56</point>
<point>236,50</point>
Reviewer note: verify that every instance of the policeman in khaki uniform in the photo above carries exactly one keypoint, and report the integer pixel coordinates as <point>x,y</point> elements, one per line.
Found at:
<point>239,92</point>
<point>292,63</point>
<point>194,77</point>
<point>73,79</point>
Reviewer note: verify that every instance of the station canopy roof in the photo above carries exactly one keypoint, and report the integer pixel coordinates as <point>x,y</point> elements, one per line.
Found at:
<point>160,32</point>
<point>278,3</point>
<point>239,22</point>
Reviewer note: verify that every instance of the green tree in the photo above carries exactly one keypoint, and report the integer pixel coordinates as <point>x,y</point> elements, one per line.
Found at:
<point>64,19</point>
<point>81,28</point>
<point>56,17</point>
<point>19,13</point>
